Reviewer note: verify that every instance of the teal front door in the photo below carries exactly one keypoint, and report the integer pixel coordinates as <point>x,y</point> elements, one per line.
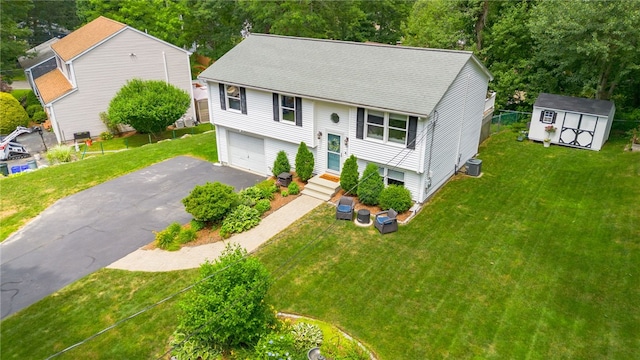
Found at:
<point>333,152</point>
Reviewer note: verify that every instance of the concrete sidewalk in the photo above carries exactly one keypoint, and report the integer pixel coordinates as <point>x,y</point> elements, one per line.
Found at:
<point>192,257</point>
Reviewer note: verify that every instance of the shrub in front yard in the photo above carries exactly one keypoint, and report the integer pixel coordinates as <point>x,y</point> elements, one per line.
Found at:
<point>395,197</point>
<point>370,185</point>
<point>293,188</point>
<point>39,117</point>
<point>32,109</point>
<point>166,239</point>
<point>281,164</point>
<point>59,154</point>
<point>349,175</point>
<point>242,218</point>
<point>197,225</point>
<point>304,162</point>
<point>268,188</point>
<point>251,195</point>
<point>211,201</point>
<point>263,206</point>
<point>12,114</point>
<point>186,235</point>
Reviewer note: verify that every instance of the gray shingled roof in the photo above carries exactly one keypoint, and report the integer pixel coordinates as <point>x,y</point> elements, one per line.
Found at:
<point>574,104</point>
<point>397,78</point>
<point>38,54</point>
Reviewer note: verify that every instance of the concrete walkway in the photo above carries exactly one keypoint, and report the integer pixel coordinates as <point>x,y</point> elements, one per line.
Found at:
<point>192,257</point>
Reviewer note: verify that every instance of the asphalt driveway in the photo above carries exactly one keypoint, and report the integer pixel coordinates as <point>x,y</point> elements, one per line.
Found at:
<point>91,229</point>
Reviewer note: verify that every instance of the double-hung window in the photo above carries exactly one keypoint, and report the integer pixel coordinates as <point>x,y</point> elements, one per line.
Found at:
<point>288,108</point>
<point>548,116</point>
<point>387,127</point>
<point>233,98</point>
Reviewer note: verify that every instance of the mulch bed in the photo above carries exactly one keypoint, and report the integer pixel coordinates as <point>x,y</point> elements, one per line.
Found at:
<point>372,209</point>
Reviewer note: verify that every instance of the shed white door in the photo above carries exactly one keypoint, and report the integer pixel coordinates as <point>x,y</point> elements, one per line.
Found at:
<point>246,152</point>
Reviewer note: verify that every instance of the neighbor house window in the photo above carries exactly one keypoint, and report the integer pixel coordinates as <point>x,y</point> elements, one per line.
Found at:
<point>548,116</point>
<point>391,177</point>
<point>233,97</point>
<point>288,108</point>
<point>387,127</point>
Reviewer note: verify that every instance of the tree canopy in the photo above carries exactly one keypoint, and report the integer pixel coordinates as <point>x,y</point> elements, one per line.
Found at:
<point>13,36</point>
<point>149,106</point>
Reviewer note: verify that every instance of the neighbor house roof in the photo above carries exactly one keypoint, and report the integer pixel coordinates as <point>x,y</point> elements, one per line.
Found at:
<point>52,85</point>
<point>574,104</point>
<point>86,37</point>
<point>398,78</point>
<point>38,54</point>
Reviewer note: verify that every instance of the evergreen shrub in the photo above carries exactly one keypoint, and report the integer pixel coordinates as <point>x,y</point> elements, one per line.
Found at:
<point>395,197</point>
<point>370,185</point>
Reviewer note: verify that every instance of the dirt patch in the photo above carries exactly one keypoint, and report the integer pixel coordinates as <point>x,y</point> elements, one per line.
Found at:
<point>372,209</point>
<point>212,235</point>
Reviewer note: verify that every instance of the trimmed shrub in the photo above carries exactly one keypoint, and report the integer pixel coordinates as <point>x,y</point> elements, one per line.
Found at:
<point>263,206</point>
<point>211,201</point>
<point>281,164</point>
<point>293,188</point>
<point>370,185</point>
<point>59,154</point>
<point>39,117</point>
<point>395,197</point>
<point>304,162</point>
<point>284,193</point>
<point>306,336</point>
<point>349,175</point>
<point>277,346</point>
<point>268,188</point>
<point>32,109</point>
<point>186,235</point>
<point>197,225</point>
<point>12,114</point>
<point>242,218</point>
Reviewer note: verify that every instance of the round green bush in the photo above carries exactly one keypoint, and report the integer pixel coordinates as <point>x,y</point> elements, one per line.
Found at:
<point>370,185</point>
<point>293,188</point>
<point>281,164</point>
<point>32,109</point>
<point>39,117</point>
<point>106,135</point>
<point>12,114</point>
<point>263,206</point>
<point>395,197</point>
<point>349,175</point>
<point>251,195</point>
<point>211,201</point>
<point>304,162</point>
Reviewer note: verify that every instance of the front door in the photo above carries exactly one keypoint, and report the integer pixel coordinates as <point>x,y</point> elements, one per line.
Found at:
<point>333,152</point>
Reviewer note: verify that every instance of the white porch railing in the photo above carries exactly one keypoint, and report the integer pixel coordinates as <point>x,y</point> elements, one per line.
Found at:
<point>490,102</point>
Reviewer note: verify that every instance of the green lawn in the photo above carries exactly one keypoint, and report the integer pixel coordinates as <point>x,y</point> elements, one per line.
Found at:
<point>537,259</point>
<point>26,195</point>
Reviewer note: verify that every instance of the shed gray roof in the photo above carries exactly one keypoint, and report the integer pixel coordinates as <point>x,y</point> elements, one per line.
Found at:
<point>574,104</point>
<point>38,54</point>
<point>398,78</point>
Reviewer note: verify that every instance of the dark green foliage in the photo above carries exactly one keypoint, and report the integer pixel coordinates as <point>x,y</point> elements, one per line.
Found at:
<point>263,206</point>
<point>149,106</point>
<point>395,197</point>
<point>32,109</point>
<point>251,195</point>
<point>268,188</point>
<point>197,225</point>
<point>281,164</point>
<point>242,218</point>
<point>211,201</point>
<point>12,114</point>
<point>293,188</point>
<point>304,162</point>
<point>278,346</point>
<point>226,309</point>
<point>370,185</point>
<point>39,117</point>
<point>186,235</point>
<point>166,239</point>
<point>349,175</point>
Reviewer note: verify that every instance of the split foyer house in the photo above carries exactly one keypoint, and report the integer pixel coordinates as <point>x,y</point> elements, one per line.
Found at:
<point>581,123</point>
<point>93,63</point>
<point>416,113</point>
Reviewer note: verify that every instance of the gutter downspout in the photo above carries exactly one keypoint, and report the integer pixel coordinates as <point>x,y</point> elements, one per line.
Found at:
<point>166,69</point>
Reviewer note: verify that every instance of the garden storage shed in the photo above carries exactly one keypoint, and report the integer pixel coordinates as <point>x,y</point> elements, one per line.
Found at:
<point>578,122</point>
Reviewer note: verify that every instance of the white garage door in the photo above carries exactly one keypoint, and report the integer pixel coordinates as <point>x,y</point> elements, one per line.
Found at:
<point>247,152</point>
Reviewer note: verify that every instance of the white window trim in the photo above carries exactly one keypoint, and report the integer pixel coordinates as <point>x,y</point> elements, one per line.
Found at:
<point>227,97</point>
<point>282,107</point>
<point>545,119</point>
<point>385,125</point>
<point>385,175</point>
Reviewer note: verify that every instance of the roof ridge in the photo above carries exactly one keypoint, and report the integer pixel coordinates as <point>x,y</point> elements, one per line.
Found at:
<point>343,42</point>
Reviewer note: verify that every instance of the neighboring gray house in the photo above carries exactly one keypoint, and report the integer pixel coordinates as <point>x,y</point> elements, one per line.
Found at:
<point>93,63</point>
<point>414,112</point>
<point>39,61</point>
<point>579,122</point>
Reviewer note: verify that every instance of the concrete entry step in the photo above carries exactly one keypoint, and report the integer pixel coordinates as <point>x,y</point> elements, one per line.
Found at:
<point>321,188</point>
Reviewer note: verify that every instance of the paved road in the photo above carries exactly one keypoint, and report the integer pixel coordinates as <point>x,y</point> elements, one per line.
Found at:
<point>91,229</point>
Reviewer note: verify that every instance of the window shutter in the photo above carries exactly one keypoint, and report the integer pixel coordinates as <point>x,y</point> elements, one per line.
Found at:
<point>276,107</point>
<point>542,115</point>
<point>360,124</point>
<point>243,100</point>
<point>554,117</point>
<point>223,100</point>
<point>298,111</point>
<point>411,133</point>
